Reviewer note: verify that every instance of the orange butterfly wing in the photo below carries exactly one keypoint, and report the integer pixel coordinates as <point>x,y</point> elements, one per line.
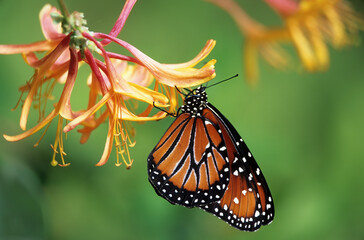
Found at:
<point>189,164</point>
<point>202,161</point>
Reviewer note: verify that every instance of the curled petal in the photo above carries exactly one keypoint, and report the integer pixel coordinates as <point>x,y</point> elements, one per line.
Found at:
<point>33,130</point>
<point>183,77</point>
<point>30,58</point>
<point>210,44</point>
<point>51,30</point>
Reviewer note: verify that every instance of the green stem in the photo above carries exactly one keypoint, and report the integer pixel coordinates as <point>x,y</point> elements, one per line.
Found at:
<point>64,9</point>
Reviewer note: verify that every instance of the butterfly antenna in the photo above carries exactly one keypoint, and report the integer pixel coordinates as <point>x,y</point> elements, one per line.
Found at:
<point>223,80</point>
<point>184,94</point>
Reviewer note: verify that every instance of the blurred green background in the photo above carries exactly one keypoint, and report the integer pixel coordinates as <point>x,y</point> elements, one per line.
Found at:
<point>305,130</point>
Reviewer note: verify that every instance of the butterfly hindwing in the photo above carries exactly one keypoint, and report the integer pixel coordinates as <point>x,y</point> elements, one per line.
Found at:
<point>189,164</point>
<point>247,203</point>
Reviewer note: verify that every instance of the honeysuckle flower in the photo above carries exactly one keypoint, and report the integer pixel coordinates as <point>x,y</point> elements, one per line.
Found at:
<point>114,80</point>
<point>308,24</point>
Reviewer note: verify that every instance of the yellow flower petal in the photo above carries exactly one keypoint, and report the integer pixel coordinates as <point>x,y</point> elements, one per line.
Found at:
<point>302,45</point>
<point>210,44</point>
<point>33,130</point>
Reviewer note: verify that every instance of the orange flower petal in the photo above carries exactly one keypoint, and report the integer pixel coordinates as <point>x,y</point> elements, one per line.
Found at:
<point>210,44</point>
<point>64,104</point>
<point>108,145</point>
<point>24,48</point>
<point>184,77</point>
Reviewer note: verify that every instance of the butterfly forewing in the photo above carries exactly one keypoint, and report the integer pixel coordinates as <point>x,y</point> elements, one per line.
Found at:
<point>189,164</point>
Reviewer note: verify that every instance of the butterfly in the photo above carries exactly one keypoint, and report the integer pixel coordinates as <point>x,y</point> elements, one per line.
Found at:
<point>201,161</point>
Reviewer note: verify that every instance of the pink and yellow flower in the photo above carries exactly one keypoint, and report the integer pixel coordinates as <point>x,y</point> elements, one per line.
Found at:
<point>114,80</point>
<point>310,25</point>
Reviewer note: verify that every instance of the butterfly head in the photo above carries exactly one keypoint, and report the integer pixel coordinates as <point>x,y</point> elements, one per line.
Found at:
<point>195,101</point>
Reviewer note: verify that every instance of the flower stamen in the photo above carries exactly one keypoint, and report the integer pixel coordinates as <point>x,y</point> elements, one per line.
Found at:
<point>58,144</point>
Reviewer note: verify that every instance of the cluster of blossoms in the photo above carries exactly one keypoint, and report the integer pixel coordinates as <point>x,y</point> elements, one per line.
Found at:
<point>114,80</point>
<point>308,24</point>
